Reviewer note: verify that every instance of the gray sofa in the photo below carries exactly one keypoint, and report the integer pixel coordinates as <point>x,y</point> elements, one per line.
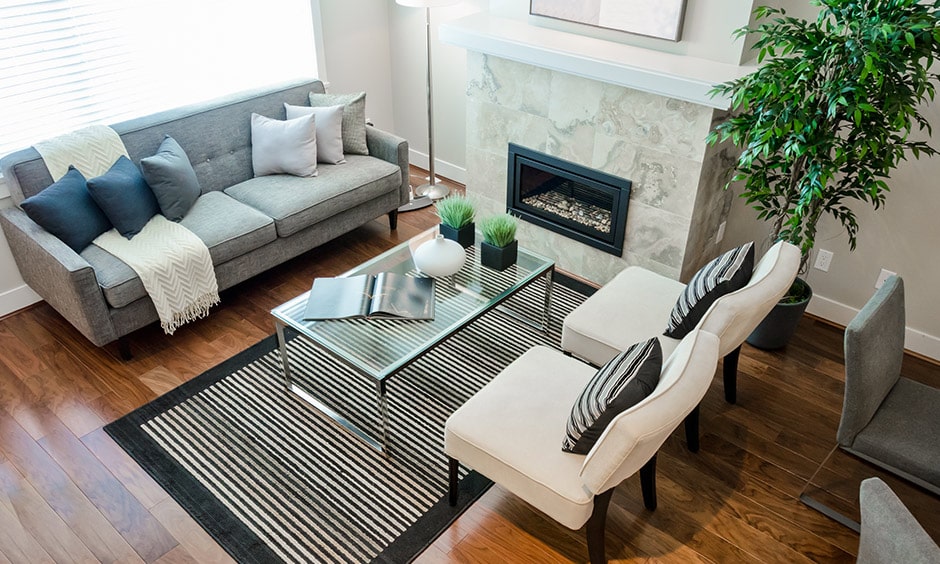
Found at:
<point>249,224</point>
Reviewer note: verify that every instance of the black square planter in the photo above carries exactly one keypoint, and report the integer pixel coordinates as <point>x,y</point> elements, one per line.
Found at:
<point>499,258</point>
<point>463,235</point>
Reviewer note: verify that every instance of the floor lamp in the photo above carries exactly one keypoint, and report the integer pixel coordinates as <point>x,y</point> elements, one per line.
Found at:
<point>432,189</point>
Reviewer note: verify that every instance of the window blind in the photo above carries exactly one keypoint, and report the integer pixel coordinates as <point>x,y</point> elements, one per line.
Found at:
<point>65,64</point>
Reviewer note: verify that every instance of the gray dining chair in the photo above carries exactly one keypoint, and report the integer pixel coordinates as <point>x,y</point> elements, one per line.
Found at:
<point>890,534</point>
<point>888,420</point>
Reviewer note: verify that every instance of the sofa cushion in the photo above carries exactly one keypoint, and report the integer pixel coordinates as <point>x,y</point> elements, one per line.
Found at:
<point>354,118</point>
<point>288,147</point>
<point>229,228</point>
<point>67,210</point>
<point>296,203</point>
<point>124,196</point>
<point>172,179</point>
<point>329,130</point>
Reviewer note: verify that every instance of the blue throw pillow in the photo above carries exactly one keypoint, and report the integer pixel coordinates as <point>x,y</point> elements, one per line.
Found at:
<point>67,210</point>
<point>172,179</point>
<point>124,196</point>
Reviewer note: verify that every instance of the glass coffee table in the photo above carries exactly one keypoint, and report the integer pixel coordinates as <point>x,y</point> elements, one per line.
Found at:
<point>378,349</point>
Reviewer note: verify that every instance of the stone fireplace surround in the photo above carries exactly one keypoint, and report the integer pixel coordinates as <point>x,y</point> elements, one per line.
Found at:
<point>657,141</point>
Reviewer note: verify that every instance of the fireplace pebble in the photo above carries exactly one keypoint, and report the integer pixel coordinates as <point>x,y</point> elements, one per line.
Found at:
<point>572,209</point>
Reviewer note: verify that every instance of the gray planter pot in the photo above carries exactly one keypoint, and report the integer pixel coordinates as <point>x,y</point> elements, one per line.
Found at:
<point>776,330</point>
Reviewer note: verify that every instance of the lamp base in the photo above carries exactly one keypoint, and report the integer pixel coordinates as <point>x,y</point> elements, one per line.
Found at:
<point>433,191</point>
<point>416,203</point>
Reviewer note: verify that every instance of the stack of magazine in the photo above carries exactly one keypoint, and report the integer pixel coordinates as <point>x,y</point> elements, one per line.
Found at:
<point>386,295</point>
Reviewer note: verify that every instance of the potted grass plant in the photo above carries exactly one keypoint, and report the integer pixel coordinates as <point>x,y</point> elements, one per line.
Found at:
<point>457,213</point>
<point>499,248</point>
<point>827,117</point>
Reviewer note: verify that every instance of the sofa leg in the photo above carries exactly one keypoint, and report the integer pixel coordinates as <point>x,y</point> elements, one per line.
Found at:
<point>691,429</point>
<point>124,349</point>
<point>452,488</point>
<point>596,528</point>
<point>393,220</point>
<point>648,483</point>
<point>730,373</point>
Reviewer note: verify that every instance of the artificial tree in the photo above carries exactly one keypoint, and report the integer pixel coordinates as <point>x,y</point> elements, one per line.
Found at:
<point>831,110</point>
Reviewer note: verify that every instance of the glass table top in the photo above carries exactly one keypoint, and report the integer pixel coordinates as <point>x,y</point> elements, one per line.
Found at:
<point>381,347</point>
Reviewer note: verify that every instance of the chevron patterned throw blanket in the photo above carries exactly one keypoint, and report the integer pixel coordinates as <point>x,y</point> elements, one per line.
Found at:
<point>92,150</point>
<point>174,265</point>
<point>172,262</point>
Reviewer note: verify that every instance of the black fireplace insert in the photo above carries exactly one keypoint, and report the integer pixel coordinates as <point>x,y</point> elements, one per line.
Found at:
<point>582,203</point>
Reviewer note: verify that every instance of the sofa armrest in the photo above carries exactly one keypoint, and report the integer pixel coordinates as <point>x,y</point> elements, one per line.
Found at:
<point>60,275</point>
<point>393,149</point>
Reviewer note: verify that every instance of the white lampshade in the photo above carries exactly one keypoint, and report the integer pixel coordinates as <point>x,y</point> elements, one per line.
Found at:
<point>426,3</point>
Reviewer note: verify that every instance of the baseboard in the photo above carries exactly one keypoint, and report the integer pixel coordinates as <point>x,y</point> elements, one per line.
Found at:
<point>16,299</point>
<point>914,341</point>
<point>441,168</point>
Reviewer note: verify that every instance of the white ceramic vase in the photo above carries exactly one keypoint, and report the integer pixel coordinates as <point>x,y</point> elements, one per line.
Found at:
<point>439,257</point>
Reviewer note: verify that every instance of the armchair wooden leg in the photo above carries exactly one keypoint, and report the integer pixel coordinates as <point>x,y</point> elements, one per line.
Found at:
<point>596,528</point>
<point>452,488</point>
<point>691,429</point>
<point>730,373</point>
<point>393,220</point>
<point>648,483</point>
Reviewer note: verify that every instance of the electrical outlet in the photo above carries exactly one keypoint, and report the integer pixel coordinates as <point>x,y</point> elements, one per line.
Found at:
<point>823,260</point>
<point>721,232</point>
<point>885,274</point>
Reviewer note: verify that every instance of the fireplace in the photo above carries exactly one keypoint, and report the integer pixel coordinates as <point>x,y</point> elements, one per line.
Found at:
<point>584,204</point>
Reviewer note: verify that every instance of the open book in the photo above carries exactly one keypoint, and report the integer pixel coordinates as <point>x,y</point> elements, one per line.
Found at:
<point>383,296</point>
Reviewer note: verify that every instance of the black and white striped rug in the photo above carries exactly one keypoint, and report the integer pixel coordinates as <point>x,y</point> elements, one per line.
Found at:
<point>271,479</point>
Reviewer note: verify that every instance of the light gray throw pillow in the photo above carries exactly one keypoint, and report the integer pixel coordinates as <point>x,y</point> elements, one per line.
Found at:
<point>172,179</point>
<point>288,147</point>
<point>329,130</point>
<point>354,118</point>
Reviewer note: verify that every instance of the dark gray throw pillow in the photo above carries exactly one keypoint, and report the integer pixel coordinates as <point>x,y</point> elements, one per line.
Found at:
<point>172,179</point>
<point>728,273</point>
<point>123,195</point>
<point>67,210</point>
<point>620,384</point>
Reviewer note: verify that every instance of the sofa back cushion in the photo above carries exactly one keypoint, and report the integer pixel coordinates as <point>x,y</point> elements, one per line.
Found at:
<point>216,135</point>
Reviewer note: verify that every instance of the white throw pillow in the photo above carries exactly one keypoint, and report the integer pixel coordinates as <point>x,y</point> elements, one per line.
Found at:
<point>329,130</point>
<point>288,147</point>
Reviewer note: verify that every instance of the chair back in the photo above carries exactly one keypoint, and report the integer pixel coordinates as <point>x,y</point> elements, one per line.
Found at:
<point>634,436</point>
<point>874,349</point>
<point>734,316</point>
<point>889,532</point>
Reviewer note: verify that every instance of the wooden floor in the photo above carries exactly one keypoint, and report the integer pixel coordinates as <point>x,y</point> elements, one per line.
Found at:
<point>68,493</point>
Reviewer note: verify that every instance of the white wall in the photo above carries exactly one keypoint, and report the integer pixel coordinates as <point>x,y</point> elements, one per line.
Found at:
<point>409,86</point>
<point>706,31</point>
<point>357,56</point>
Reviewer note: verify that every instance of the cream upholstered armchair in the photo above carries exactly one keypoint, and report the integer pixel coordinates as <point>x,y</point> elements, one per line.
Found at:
<point>512,431</point>
<point>637,303</point>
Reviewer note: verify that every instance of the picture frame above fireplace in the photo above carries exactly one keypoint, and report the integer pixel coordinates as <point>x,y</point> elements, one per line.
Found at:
<point>661,19</point>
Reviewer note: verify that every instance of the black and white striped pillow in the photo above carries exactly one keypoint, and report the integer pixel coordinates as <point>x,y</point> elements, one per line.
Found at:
<point>727,273</point>
<point>617,386</point>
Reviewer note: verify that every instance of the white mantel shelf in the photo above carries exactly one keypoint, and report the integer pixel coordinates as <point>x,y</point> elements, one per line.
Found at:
<point>675,76</point>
